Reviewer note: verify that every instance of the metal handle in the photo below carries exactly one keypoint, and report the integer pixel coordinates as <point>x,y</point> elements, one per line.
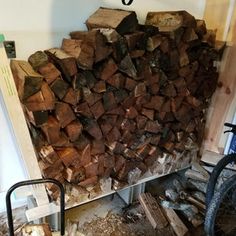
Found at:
<point>34,182</point>
<point>127,3</point>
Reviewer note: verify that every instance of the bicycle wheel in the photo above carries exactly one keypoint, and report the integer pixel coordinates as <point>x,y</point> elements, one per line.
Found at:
<point>221,214</point>
<point>215,174</point>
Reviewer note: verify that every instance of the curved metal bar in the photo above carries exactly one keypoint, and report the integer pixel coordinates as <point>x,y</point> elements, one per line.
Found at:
<point>127,3</point>
<point>34,182</point>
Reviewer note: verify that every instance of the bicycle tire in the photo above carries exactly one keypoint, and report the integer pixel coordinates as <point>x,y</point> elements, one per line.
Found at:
<point>215,174</point>
<point>211,213</point>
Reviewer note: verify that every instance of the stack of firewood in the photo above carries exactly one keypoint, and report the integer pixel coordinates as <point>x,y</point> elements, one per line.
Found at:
<point>120,95</point>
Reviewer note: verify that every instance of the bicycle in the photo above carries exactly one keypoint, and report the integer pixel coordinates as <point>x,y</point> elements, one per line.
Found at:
<point>220,216</point>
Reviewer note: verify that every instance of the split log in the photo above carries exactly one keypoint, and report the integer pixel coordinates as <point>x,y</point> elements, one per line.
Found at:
<point>64,114</point>
<point>28,82</point>
<point>178,226</point>
<point>170,21</point>
<point>122,21</point>
<point>68,155</point>
<point>153,211</point>
<point>38,59</point>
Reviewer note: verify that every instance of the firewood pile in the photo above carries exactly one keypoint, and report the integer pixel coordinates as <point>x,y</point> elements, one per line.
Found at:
<point>119,97</point>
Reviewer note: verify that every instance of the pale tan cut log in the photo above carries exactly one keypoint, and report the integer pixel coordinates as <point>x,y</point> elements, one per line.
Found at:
<point>72,47</point>
<point>178,226</point>
<point>169,21</point>
<point>67,60</point>
<point>153,211</point>
<point>27,81</point>
<point>120,20</point>
<point>36,230</point>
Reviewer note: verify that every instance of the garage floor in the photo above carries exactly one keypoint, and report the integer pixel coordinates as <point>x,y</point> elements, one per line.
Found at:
<point>110,216</point>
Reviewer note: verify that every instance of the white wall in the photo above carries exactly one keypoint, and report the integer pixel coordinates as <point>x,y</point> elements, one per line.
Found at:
<point>38,25</point>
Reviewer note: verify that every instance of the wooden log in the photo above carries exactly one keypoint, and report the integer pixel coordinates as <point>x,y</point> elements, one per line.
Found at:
<point>126,66</point>
<point>37,118</point>
<point>153,127</point>
<point>169,21</point>
<point>48,95</point>
<point>100,87</point>
<point>64,61</point>
<point>111,35</point>
<point>72,97</point>
<point>72,47</point>
<point>85,155</point>
<point>94,39</point>
<point>140,90</point>
<point>136,54</point>
<point>51,130</point>
<point>42,229</point>
<point>133,39</point>
<point>189,35</point>
<point>109,101</point>
<point>154,42</point>
<point>73,130</point>
<point>74,174</point>
<point>60,88</point>
<point>109,69</point>
<point>113,135</point>
<point>68,155</point>
<point>178,226</point>
<point>156,103</point>
<point>148,113</point>
<point>49,72</point>
<point>89,181</point>
<point>91,169</point>
<point>47,153</point>
<point>141,121</point>
<point>130,84</point>
<point>120,20</point>
<point>38,59</point>
<point>64,114</point>
<point>97,110</point>
<point>98,147</point>
<point>153,211</point>
<point>93,129</point>
<point>83,109</point>
<point>200,28</point>
<point>131,113</point>
<point>28,82</point>
<point>117,80</point>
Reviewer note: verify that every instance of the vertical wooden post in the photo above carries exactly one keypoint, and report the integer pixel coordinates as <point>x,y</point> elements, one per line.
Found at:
<point>223,104</point>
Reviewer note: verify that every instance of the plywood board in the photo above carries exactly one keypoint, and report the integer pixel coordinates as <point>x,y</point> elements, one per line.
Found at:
<point>223,105</point>
<point>18,124</point>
